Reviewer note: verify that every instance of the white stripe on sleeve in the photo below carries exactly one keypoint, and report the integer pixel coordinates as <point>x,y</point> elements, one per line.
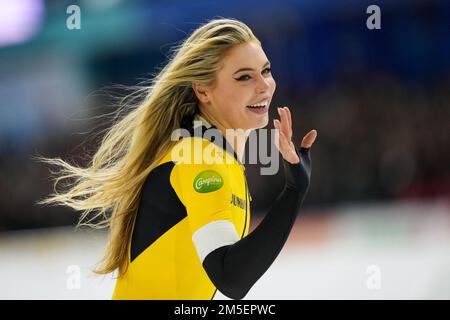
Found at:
<point>214,235</point>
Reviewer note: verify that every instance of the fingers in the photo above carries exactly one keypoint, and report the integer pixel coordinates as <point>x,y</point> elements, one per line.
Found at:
<point>285,131</point>
<point>287,149</point>
<point>288,113</point>
<point>276,123</point>
<point>285,125</point>
<point>279,136</point>
<point>309,139</point>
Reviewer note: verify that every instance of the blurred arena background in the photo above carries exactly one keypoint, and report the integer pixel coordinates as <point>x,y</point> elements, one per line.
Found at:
<point>376,222</point>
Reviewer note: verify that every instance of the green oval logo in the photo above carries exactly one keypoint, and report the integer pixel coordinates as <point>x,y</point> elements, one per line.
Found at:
<point>208,181</point>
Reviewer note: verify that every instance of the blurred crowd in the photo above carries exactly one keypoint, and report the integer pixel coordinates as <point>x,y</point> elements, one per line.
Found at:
<point>379,100</point>
<point>379,139</point>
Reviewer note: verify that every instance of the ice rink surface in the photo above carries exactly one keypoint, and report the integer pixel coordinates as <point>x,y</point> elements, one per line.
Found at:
<point>362,251</point>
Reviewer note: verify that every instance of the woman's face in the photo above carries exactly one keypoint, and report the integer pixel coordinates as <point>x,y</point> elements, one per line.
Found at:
<point>245,79</point>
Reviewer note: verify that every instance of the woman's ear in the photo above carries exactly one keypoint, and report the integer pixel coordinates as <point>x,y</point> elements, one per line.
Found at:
<point>201,93</point>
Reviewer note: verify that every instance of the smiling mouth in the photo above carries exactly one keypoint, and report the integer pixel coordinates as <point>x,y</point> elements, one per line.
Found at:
<point>259,105</point>
<point>256,107</point>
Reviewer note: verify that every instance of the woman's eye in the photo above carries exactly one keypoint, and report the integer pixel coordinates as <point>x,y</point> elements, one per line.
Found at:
<point>243,78</point>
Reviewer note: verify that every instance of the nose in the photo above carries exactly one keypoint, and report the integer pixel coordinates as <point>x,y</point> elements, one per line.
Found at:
<point>262,85</point>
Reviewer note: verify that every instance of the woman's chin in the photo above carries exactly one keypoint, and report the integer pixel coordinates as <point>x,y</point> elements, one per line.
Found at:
<point>261,122</point>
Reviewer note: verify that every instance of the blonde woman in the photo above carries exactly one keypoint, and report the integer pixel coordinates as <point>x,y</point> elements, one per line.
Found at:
<point>179,226</point>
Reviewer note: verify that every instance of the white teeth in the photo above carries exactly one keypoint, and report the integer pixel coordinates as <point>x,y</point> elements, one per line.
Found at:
<point>255,107</point>
<point>260,104</point>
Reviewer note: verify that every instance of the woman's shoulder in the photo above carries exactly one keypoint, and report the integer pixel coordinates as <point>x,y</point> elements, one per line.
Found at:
<point>198,150</point>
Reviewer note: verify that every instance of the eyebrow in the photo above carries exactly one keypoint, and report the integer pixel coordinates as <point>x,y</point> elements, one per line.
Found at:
<point>250,69</point>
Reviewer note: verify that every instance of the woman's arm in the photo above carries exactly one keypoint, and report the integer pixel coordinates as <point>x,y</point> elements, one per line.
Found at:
<point>235,268</point>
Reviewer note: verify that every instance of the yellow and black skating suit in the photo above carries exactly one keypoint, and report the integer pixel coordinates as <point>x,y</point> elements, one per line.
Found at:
<point>190,235</point>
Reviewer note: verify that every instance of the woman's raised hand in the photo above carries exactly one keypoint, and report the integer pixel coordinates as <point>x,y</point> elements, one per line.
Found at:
<point>283,139</point>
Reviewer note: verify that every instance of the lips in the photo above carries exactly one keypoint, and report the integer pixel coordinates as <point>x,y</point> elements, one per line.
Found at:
<point>263,101</point>
<point>258,110</point>
<point>257,107</point>
<point>260,104</point>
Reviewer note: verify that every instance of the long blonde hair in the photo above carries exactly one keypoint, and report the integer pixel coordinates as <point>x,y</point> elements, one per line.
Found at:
<point>107,191</point>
